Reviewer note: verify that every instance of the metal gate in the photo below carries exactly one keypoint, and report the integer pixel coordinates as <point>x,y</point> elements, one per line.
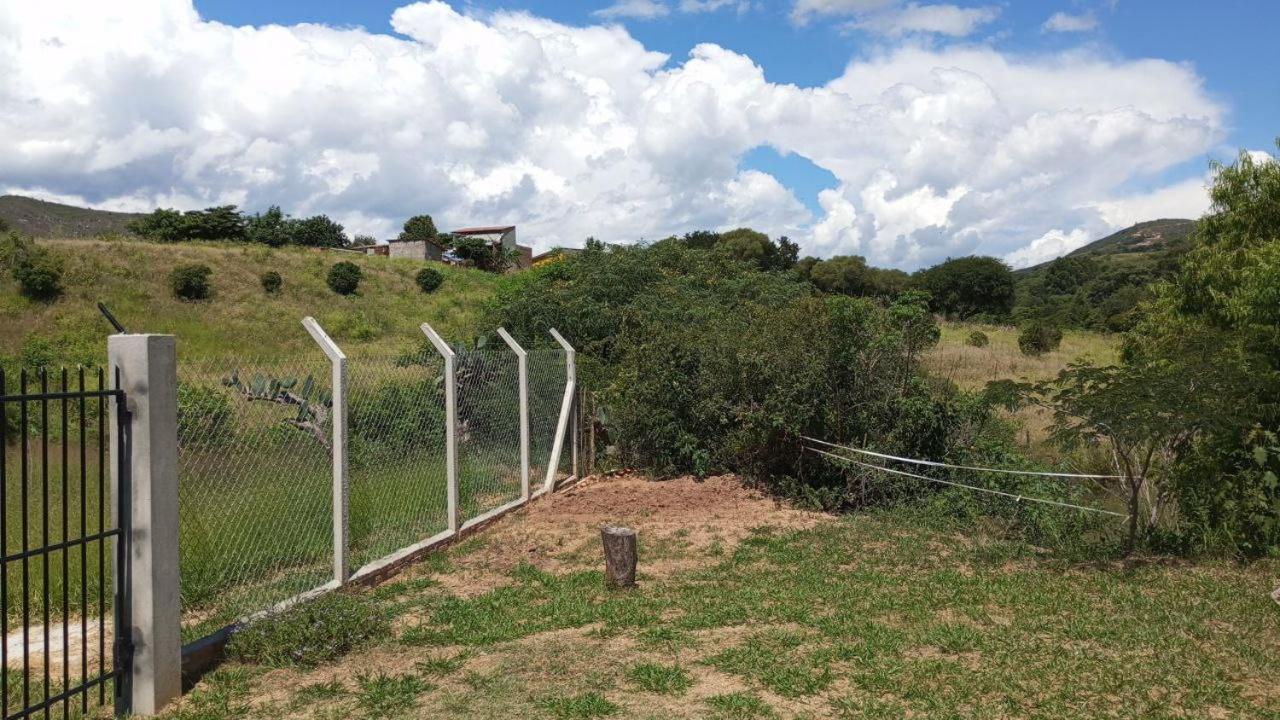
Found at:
<point>64,552</point>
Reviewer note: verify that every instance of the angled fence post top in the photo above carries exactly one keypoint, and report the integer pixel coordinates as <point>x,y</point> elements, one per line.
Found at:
<point>441,346</point>
<point>322,339</point>
<point>511,342</point>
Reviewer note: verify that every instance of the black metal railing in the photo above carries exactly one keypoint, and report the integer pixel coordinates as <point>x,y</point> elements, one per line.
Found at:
<point>56,583</point>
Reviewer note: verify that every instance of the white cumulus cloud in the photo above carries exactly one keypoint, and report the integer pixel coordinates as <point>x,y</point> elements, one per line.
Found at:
<point>571,132</point>
<point>1067,23</point>
<point>638,9</point>
<point>1048,246</point>
<point>939,19</point>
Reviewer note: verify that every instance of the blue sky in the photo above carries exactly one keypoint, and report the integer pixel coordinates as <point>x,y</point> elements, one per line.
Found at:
<point>902,130</point>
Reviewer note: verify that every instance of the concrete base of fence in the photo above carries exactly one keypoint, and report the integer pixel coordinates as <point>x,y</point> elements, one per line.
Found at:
<point>202,655</point>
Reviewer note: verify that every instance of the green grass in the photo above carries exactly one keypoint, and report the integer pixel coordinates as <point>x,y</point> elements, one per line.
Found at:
<point>130,276</point>
<point>580,707</point>
<point>664,679</point>
<point>872,616</point>
<point>383,696</point>
<point>315,632</point>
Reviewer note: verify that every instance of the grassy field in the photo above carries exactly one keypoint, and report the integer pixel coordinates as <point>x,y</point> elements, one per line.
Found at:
<point>749,610</point>
<point>240,320</point>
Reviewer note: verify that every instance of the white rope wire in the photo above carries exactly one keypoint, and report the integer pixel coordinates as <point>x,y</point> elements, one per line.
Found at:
<point>934,463</point>
<point>1016,497</point>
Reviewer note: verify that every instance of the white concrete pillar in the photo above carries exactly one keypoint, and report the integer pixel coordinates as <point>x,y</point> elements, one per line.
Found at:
<point>146,366</point>
<point>450,422</point>
<point>341,472</point>
<point>566,409</point>
<point>522,359</point>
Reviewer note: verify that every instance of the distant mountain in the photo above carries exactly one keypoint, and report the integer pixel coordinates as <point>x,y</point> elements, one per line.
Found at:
<point>1149,236</point>
<point>40,218</point>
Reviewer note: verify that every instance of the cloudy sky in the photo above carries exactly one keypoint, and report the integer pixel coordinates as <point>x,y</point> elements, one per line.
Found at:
<point>905,131</point>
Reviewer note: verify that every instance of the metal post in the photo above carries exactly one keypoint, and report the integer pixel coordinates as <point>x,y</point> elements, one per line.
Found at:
<point>566,407</point>
<point>144,453</point>
<point>451,423</point>
<point>341,476</point>
<point>522,359</point>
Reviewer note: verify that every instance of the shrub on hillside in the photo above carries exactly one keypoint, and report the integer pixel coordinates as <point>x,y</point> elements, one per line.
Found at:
<point>428,279</point>
<point>977,339</point>
<point>1038,338</point>
<point>344,277</point>
<point>190,282</point>
<point>37,270</point>
<point>272,282</point>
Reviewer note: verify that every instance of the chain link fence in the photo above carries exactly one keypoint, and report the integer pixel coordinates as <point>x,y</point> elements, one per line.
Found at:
<point>256,464</point>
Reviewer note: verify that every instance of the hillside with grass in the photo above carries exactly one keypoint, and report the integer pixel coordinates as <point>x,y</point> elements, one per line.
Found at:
<point>240,318</point>
<point>41,218</point>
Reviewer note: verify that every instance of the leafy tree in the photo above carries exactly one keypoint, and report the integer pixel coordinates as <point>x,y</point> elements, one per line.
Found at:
<point>190,282</point>
<point>317,231</point>
<point>701,239</point>
<point>756,248</point>
<point>844,275</point>
<point>216,223</point>
<point>419,227</point>
<point>269,228</point>
<point>1067,274</point>
<point>344,277</point>
<point>161,225</point>
<point>428,279</point>
<point>483,254</point>
<point>977,339</point>
<point>969,286</point>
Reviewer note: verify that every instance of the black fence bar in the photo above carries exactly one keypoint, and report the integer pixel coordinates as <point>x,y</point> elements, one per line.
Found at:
<point>38,482</point>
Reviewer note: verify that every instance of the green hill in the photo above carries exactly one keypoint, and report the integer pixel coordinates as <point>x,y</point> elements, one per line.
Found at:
<point>240,319</point>
<point>43,219</point>
<point>1145,237</point>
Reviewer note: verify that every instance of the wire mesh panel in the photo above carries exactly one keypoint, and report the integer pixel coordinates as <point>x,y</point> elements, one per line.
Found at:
<point>547,378</point>
<point>254,491</point>
<point>488,394</point>
<point>396,447</point>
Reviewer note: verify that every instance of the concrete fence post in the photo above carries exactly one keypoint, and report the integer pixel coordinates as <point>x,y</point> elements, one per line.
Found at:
<point>522,360</point>
<point>450,422</point>
<point>146,368</point>
<point>341,469</point>
<point>566,409</point>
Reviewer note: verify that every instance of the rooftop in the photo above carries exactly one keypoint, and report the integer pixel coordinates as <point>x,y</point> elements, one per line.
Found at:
<point>485,230</point>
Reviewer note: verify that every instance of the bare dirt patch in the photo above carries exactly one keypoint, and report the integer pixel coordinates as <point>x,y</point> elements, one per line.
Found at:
<point>682,522</point>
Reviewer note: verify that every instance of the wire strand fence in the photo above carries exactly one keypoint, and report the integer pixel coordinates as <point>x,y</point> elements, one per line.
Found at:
<point>257,464</point>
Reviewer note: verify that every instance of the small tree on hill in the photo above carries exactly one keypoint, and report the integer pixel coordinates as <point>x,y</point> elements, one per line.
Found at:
<point>1038,338</point>
<point>969,286</point>
<point>272,282</point>
<point>38,271</point>
<point>428,279</point>
<point>344,277</point>
<point>317,231</point>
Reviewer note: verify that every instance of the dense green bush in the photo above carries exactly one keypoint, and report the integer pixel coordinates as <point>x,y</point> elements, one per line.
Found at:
<point>272,282</point>
<point>190,282</point>
<point>396,416</point>
<point>312,633</point>
<point>977,339</point>
<point>703,364</point>
<point>428,279</point>
<point>226,222</point>
<point>1038,338</point>
<point>344,277</point>
<point>37,270</point>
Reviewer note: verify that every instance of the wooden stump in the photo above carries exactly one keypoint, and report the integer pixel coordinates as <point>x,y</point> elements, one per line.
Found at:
<point>619,556</point>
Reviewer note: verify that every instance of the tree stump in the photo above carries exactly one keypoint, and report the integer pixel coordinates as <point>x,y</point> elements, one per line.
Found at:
<point>619,556</point>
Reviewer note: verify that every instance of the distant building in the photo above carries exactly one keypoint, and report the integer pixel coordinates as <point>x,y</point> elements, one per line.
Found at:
<point>504,235</point>
<point>552,255</point>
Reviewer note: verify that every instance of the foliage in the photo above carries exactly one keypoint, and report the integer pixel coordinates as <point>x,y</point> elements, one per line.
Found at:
<point>1038,338</point>
<point>37,270</point>
<point>419,227</point>
<point>478,251</point>
<point>685,350</point>
<point>977,339</point>
<point>850,275</point>
<point>969,286</point>
<point>204,415</point>
<point>344,277</point>
<point>273,227</point>
<point>190,282</point>
<point>428,279</point>
<point>312,633</point>
<point>271,282</point>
